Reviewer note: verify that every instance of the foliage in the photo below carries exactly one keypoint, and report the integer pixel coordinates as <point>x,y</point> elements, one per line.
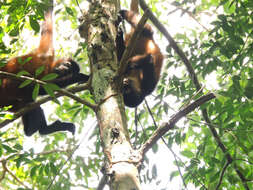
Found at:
<point>220,49</point>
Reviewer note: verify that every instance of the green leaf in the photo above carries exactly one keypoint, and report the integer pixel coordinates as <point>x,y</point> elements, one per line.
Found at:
<point>174,174</point>
<point>154,172</point>
<point>50,88</point>
<point>69,11</point>
<point>8,149</point>
<point>41,170</point>
<point>57,101</point>
<point>33,171</point>
<point>34,23</point>
<point>155,148</point>
<point>22,62</point>
<point>46,169</point>
<point>25,83</point>
<point>187,153</point>
<point>14,32</point>
<point>35,92</point>
<point>13,41</point>
<point>214,177</point>
<point>49,76</point>
<point>23,73</point>
<point>18,146</point>
<point>39,70</point>
<point>78,52</point>
<point>27,59</point>
<point>53,168</point>
<point>10,139</point>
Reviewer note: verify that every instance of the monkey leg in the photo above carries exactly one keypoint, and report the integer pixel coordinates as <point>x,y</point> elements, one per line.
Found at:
<point>35,120</point>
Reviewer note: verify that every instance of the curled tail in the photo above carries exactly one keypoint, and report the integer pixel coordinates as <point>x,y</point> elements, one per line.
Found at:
<point>46,39</point>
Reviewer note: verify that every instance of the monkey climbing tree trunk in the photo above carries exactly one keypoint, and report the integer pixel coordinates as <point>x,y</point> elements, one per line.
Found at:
<point>99,31</point>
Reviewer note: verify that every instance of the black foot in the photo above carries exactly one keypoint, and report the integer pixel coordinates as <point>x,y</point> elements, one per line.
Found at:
<point>58,126</point>
<point>69,127</point>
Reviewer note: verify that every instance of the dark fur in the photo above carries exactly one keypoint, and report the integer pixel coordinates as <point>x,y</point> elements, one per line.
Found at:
<point>144,65</point>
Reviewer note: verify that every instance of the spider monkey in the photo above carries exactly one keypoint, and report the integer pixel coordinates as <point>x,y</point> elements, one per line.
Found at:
<point>67,70</point>
<point>145,63</point>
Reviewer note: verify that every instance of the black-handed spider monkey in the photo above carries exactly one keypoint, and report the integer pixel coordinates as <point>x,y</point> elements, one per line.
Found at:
<point>67,70</point>
<point>145,63</point>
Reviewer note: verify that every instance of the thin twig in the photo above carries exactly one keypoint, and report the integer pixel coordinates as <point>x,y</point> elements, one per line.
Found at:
<point>177,164</point>
<point>3,172</point>
<point>70,156</point>
<point>15,177</point>
<point>195,176</point>
<point>136,127</point>
<point>193,17</point>
<point>102,183</point>
<point>178,167</point>
<point>79,7</point>
<point>221,175</point>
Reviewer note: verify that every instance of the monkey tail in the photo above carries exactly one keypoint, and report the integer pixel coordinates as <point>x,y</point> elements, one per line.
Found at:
<point>46,39</point>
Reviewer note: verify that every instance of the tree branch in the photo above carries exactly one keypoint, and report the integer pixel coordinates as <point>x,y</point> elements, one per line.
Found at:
<point>198,87</point>
<point>102,183</point>
<point>221,175</point>
<point>45,99</point>
<point>62,91</point>
<point>132,42</point>
<point>170,125</point>
<point>6,170</point>
<point>3,172</point>
<point>172,42</point>
<point>175,158</point>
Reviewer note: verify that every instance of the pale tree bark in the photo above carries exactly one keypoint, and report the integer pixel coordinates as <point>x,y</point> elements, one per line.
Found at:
<point>122,161</point>
<point>99,30</point>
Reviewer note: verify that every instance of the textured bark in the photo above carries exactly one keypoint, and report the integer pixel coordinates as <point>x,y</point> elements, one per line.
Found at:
<point>99,31</point>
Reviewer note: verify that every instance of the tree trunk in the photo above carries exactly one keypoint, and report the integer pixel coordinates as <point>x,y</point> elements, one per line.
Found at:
<point>100,32</point>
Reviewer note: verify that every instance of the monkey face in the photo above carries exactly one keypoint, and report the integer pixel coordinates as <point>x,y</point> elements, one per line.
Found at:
<point>132,93</point>
<point>64,67</point>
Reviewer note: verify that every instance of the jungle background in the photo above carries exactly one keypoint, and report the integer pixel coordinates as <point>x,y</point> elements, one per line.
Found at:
<point>211,148</point>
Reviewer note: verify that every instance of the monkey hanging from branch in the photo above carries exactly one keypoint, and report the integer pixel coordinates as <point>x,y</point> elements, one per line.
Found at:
<point>144,65</point>
<point>67,70</point>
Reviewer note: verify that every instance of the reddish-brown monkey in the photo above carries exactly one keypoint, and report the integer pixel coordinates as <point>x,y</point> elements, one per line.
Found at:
<point>145,63</point>
<point>67,70</point>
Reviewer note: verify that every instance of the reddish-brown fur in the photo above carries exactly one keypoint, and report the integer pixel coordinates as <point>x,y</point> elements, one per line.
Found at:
<point>42,56</point>
<point>147,46</point>
<point>67,70</point>
<point>145,63</point>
